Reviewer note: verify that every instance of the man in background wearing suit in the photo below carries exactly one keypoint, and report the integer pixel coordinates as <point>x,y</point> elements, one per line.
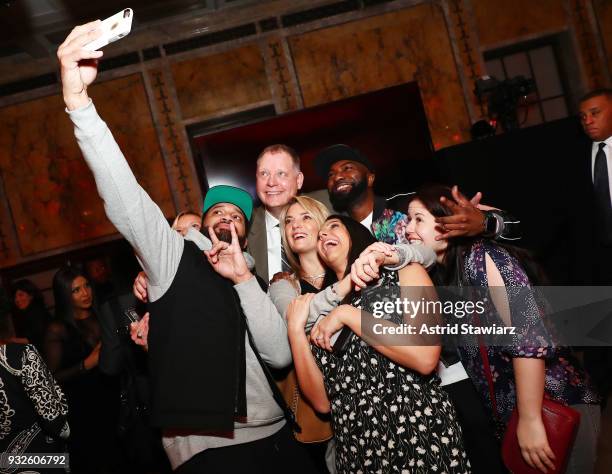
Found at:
<point>596,118</point>
<point>594,215</point>
<point>278,179</point>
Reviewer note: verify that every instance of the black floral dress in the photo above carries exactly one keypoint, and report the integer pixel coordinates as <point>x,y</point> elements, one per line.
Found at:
<point>388,418</point>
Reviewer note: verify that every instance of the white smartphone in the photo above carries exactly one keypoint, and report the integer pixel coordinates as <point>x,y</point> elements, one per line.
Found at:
<point>113,28</point>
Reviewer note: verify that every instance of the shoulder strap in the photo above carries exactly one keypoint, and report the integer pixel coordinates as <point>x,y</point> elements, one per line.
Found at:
<point>276,393</point>
<point>487,370</point>
<point>484,355</point>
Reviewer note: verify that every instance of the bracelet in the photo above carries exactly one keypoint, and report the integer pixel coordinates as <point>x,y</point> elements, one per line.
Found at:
<point>501,225</point>
<point>402,260</point>
<point>489,218</point>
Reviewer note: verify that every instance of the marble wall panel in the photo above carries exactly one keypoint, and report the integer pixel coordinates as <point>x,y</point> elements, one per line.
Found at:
<point>603,13</point>
<point>506,21</point>
<point>50,190</point>
<point>211,84</point>
<point>382,51</point>
<point>9,248</point>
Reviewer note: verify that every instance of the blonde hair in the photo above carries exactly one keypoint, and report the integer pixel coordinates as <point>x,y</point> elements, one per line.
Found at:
<point>184,213</point>
<point>319,213</point>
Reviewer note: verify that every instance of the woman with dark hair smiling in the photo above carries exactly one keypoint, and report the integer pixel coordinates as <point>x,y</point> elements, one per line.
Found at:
<point>388,412</point>
<point>518,374</point>
<point>72,350</point>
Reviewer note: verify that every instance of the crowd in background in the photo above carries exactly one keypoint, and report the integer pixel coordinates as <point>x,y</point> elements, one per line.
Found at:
<point>82,355</point>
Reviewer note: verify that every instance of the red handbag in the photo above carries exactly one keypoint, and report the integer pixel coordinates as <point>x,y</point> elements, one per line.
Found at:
<point>560,422</point>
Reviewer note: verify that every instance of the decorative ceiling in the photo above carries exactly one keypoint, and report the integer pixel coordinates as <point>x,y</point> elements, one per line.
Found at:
<point>31,30</point>
<point>36,27</point>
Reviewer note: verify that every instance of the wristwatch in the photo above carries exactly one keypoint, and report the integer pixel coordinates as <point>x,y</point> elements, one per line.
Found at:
<point>490,224</point>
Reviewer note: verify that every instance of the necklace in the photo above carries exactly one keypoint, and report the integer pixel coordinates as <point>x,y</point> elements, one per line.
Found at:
<point>313,278</point>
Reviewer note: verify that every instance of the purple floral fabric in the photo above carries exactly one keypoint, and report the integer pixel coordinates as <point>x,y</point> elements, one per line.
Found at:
<point>565,380</point>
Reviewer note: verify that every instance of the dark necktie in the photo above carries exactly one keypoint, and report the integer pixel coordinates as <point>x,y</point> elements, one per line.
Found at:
<point>284,262</point>
<point>601,182</point>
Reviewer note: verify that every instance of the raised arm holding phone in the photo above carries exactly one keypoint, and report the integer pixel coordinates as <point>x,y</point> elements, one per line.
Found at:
<point>209,389</point>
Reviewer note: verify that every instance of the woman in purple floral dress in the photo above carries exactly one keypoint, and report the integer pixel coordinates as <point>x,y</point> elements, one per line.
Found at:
<point>529,367</point>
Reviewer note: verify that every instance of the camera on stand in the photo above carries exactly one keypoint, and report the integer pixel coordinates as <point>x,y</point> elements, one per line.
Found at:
<point>503,97</point>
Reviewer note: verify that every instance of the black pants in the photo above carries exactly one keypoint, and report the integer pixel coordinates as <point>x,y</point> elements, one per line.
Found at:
<point>598,364</point>
<point>279,453</point>
<point>481,445</point>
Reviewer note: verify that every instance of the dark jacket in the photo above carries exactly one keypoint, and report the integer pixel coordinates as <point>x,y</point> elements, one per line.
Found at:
<point>196,350</point>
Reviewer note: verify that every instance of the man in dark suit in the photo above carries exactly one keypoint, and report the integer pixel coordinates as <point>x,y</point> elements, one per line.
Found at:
<point>593,215</point>
<point>596,168</point>
<point>278,179</point>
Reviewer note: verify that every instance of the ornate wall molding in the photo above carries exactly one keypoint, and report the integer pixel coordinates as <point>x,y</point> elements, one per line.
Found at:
<point>589,43</point>
<point>280,70</point>
<point>9,249</point>
<point>466,48</point>
<point>171,133</point>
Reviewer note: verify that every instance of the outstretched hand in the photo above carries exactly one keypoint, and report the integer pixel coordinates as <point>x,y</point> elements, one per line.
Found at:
<point>227,259</point>
<point>466,219</point>
<point>78,66</point>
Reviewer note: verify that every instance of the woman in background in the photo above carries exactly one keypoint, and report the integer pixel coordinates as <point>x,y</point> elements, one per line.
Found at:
<point>186,220</point>
<point>72,350</point>
<point>30,316</point>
